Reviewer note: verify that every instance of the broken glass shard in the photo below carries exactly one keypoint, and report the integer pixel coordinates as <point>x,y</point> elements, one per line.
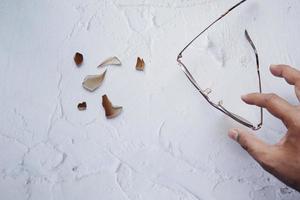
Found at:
<point>110,61</point>
<point>92,82</point>
<point>82,106</point>
<point>78,59</point>
<point>140,64</point>
<point>110,110</point>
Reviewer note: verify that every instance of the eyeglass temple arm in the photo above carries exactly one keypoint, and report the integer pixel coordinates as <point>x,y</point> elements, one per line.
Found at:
<point>258,74</point>
<point>223,15</point>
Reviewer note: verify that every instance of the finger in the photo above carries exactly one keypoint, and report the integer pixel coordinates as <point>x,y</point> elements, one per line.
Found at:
<point>291,75</point>
<point>255,147</point>
<point>276,105</point>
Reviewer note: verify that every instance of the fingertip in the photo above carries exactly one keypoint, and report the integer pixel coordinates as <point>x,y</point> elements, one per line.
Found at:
<point>252,98</point>
<point>248,98</point>
<point>233,134</point>
<point>244,97</point>
<point>275,70</point>
<point>273,66</point>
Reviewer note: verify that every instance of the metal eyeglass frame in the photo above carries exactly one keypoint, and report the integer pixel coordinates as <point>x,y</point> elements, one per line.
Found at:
<point>206,92</point>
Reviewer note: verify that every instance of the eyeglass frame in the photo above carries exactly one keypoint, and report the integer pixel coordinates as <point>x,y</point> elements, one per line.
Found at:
<point>206,92</point>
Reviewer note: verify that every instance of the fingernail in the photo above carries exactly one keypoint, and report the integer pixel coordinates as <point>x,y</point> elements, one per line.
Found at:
<point>244,96</point>
<point>275,70</point>
<point>233,134</point>
<point>273,66</point>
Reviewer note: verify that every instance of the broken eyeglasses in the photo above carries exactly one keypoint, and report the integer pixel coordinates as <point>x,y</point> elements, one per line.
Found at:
<point>206,92</point>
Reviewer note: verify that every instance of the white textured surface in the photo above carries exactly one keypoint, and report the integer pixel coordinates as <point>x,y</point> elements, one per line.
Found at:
<point>168,143</point>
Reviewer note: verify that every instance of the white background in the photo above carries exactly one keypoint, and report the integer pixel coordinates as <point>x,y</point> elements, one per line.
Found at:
<point>168,143</point>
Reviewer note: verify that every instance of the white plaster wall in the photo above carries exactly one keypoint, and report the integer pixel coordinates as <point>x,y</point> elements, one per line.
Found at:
<point>168,143</point>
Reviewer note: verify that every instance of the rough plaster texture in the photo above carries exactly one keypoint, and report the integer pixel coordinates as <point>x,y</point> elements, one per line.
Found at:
<point>168,143</point>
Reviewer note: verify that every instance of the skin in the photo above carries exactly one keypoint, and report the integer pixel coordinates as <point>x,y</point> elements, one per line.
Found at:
<point>281,159</point>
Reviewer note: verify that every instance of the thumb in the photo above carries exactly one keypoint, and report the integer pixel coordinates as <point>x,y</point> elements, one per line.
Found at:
<point>258,149</point>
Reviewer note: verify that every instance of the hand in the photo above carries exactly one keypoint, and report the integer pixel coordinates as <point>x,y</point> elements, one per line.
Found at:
<point>282,159</point>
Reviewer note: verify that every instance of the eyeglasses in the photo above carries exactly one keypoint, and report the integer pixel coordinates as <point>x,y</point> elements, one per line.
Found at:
<point>206,92</point>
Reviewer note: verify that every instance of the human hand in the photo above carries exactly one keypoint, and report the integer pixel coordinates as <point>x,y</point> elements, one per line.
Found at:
<point>282,159</point>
